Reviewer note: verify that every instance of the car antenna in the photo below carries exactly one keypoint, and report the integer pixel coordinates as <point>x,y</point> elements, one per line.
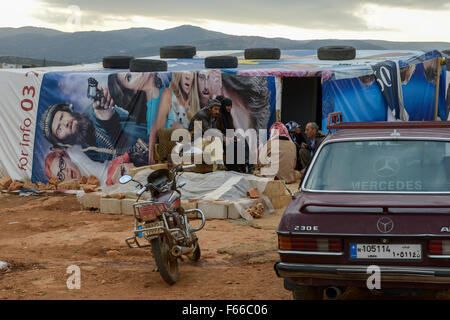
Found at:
<point>289,191</point>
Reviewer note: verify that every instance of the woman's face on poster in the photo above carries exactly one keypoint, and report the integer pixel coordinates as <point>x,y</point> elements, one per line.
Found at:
<point>186,82</point>
<point>134,80</point>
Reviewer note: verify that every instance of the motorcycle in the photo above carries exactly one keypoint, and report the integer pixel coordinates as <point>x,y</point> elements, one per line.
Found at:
<point>162,221</point>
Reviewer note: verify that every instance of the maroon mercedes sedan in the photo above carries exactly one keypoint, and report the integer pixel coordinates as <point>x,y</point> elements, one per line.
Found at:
<point>374,202</point>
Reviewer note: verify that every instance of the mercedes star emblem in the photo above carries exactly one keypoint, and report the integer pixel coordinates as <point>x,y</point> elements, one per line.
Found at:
<point>386,167</point>
<point>385,225</point>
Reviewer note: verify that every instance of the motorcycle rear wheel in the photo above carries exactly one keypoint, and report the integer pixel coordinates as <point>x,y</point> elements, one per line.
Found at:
<point>167,264</point>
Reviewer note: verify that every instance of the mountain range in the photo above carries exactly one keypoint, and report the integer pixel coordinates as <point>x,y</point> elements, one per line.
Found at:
<point>92,46</point>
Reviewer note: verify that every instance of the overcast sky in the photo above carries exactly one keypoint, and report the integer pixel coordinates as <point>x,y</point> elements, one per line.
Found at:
<point>398,20</point>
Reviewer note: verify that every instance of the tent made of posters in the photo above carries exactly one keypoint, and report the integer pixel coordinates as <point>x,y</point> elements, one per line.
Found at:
<point>52,128</point>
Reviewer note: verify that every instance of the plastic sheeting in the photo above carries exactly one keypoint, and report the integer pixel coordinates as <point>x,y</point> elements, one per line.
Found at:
<point>219,185</point>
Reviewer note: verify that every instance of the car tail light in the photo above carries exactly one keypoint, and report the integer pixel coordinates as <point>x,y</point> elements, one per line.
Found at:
<point>310,244</point>
<point>437,247</point>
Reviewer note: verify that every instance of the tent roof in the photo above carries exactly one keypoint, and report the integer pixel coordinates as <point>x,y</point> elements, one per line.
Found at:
<point>295,63</point>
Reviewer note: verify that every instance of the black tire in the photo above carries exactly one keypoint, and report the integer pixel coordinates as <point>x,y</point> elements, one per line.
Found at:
<point>262,53</point>
<point>183,52</point>
<point>196,254</point>
<point>219,62</point>
<point>117,62</point>
<point>166,263</point>
<point>147,65</point>
<point>336,53</point>
<point>308,293</point>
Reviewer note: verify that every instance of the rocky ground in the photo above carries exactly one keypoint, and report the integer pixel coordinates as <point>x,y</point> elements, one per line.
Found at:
<point>40,236</point>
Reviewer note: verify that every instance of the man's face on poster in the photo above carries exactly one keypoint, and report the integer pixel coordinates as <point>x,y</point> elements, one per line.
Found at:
<point>203,87</point>
<point>64,125</point>
<point>63,168</point>
<point>209,85</point>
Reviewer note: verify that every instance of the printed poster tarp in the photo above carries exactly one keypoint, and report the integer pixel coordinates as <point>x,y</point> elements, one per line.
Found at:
<point>72,123</point>
<point>77,136</point>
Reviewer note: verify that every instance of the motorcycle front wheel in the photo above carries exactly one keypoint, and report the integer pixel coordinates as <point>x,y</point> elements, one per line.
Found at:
<point>166,263</point>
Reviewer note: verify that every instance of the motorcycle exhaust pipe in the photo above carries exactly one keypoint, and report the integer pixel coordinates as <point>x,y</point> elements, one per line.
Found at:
<point>332,292</point>
<point>177,251</point>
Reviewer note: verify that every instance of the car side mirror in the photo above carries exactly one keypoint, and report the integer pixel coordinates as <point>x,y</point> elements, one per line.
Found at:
<point>125,179</point>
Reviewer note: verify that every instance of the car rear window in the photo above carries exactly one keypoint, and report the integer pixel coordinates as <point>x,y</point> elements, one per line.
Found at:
<point>384,165</point>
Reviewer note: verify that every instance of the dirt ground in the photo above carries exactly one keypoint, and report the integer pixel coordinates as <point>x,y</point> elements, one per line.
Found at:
<point>40,236</point>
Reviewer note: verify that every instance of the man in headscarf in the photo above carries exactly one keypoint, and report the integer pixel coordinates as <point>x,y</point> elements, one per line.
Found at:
<point>280,153</point>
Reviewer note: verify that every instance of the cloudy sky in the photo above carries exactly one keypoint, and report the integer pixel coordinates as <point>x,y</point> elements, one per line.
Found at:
<point>398,20</point>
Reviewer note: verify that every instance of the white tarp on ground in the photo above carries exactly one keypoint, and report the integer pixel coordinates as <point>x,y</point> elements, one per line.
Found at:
<point>219,185</point>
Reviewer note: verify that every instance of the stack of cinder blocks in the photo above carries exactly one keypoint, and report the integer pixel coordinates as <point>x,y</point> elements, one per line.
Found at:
<point>218,209</point>
<point>94,200</point>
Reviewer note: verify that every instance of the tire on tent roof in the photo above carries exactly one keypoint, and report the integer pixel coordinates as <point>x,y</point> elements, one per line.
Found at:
<point>262,53</point>
<point>117,62</point>
<point>147,65</point>
<point>336,53</point>
<point>220,62</point>
<point>186,52</point>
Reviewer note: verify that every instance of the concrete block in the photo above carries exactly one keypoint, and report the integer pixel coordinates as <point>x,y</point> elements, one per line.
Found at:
<point>110,205</point>
<point>186,204</point>
<point>233,213</point>
<point>127,206</point>
<point>214,209</point>
<point>280,201</point>
<point>90,200</point>
<point>275,188</point>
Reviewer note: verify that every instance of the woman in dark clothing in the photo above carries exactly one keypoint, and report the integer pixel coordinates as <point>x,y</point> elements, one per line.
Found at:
<point>224,120</point>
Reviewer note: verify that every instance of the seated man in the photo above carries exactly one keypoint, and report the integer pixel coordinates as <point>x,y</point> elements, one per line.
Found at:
<point>308,149</point>
<point>207,116</point>
<point>278,157</point>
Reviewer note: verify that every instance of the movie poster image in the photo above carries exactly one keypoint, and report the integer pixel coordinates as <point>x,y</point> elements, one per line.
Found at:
<point>362,99</point>
<point>105,124</point>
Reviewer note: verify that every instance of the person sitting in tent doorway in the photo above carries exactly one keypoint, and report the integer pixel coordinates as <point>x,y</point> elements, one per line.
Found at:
<point>308,150</point>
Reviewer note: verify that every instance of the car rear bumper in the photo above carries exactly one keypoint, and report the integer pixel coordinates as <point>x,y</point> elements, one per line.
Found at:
<point>397,274</point>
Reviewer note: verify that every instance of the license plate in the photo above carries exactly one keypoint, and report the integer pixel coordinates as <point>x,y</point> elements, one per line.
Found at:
<point>153,231</point>
<point>386,251</point>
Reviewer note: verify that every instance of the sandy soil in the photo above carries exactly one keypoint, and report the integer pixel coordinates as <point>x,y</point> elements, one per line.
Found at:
<point>41,236</point>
